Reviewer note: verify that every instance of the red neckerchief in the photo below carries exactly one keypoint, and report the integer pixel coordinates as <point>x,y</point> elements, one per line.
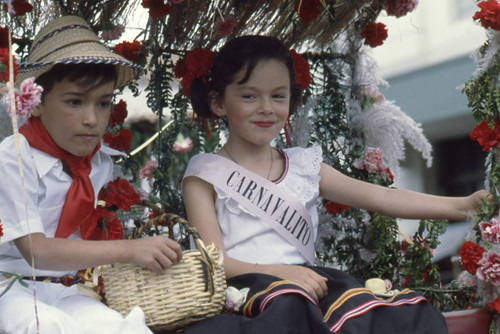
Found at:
<point>78,209</point>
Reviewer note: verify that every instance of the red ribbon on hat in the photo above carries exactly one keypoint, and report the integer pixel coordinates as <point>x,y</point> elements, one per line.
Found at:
<point>78,209</point>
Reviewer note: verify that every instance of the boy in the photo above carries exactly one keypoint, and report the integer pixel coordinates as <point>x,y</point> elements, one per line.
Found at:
<point>64,168</point>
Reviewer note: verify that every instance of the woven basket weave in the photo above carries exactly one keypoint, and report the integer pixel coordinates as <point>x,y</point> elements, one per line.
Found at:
<point>189,291</point>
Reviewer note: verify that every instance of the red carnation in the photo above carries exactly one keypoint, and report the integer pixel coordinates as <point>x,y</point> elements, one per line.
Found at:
<point>1,229</point>
<point>308,11</point>
<point>121,141</point>
<point>132,51</point>
<point>4,37</point>
<point>470,254</point>
<point>485,136</point>
<point>112,227</point>
<point>4,65</point>
<point>119,194</point>
<point>489,15</point>
<point>495,304</point>
<point>374,34</point>
<point>157,8</point>
<point>335,208</point>
<point>119,113</point>
<point>399,8</point>
<point>302,75</point>
<point>195,64</point>
<point>224,27</point>
<point>18,7</point>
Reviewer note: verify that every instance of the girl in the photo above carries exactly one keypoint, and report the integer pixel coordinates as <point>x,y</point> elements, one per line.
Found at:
<point>258,205</point>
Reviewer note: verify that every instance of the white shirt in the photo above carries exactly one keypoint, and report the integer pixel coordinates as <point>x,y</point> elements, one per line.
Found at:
<point>245,236</point>
<point>46,186</point>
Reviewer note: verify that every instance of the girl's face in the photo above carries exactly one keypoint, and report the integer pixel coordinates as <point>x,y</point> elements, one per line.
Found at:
<point>257,109</point>
<point>76,117</point>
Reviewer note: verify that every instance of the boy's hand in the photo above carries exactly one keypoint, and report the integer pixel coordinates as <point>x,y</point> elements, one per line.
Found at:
<point>475,200</point>
<point>155,253</point>
<point>312,282</point>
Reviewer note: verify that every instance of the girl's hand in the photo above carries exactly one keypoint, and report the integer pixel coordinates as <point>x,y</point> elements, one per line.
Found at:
<point>474,201</point>
<point>156,253</point>
<point>308,279</point>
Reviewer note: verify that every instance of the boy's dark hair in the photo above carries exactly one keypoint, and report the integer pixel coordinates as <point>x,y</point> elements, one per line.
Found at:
<point>237,53</point>
<point>87,75</point>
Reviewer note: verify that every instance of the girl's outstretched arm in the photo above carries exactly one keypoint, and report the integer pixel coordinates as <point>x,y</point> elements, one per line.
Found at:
<point>199,198</point>
<point>400,203</point>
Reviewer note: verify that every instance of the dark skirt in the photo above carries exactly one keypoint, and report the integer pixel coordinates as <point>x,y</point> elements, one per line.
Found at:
<point>276,306</point>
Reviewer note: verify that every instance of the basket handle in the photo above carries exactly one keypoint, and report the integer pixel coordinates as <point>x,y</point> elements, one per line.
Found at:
<point>169,220</point>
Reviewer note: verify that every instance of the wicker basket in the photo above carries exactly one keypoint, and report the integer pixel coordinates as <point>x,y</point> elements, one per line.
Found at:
<point>189,291</point>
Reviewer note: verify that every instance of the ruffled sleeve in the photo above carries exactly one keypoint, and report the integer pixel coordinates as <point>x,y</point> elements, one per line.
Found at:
<point>302,178</point>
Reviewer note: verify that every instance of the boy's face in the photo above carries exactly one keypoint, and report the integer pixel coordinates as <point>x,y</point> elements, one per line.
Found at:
<point>76,117</point>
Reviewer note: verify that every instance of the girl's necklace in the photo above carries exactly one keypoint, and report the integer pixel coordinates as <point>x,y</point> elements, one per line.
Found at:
<point>270,167</point>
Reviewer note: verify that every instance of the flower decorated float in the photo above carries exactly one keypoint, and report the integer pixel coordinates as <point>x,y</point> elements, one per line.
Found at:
<point>361,133</point>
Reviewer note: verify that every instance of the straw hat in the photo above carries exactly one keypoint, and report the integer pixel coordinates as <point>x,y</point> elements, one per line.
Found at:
<point>70,40</point>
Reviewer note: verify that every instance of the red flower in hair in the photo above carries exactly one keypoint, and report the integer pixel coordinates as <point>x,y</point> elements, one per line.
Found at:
<point>133,51</point>
<point>4,65</point>
<point>374,34</point>
<point>486,136</point>
<point>121,141</point>
<point>4,37</point>
<point>18,7</point>
<point>489,15</point>
<point>470,254</point>
<point>119,113</point>
<point>119,194</point>
<point>335,208</point>
<point>157,8</point>
<point>308,10</point>
<point>302,75</point>
<point>195,64</point>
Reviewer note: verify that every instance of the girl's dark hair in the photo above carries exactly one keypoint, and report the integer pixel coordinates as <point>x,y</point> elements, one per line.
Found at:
<point>86,75</point>
<point>237,53</point>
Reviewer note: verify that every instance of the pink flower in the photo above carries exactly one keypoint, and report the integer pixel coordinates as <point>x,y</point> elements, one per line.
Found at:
<point>399,8</point>
<point>148,171</point>
<point>182,145</point>
<point>29,97</point>
<point>224,27</point>
<point>490,231</point>
<point>489,267</point>
<point>372,161</point>
<point>111,31</point>
<point>372,93</point>
<point>143,194</point>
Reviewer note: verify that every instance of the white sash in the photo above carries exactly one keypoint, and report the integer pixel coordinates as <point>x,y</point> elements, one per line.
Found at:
<point>272,204</point>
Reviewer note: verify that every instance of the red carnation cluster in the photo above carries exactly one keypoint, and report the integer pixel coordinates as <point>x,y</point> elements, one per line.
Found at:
<point>118,114</point>
<point>308,10</point>
<point>486,136</point>
<point>335,208</point>
<point>117,137</point>
<point>302,75</point>
<point>133,51</point>
<point>470,254</point>
<point>374,34</point>
<point>4,65</point>
<point>119,194</point>
<point>120,140</point>
<point>157,8</point>
<point>112,228</point>
<point>17,7</point>
<point>4,37</point>
<point>489,15</point>
<point>195,64</point>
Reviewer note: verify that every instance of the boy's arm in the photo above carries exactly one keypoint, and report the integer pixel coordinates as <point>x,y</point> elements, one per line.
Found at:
<point>199,198</point>
<point>155,253</point>
<point>400,203</point>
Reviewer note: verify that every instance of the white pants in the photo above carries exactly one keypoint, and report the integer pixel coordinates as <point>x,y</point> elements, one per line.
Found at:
<point>61,310</point>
